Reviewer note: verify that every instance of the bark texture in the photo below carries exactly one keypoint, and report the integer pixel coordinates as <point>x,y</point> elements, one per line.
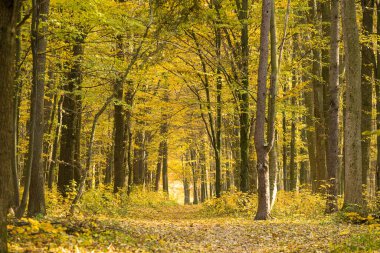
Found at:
<point>39,44</point>
<point>8,12</point>
<point>368,63</point>
<point>333,113</point>
<point>262,150</point>
<point>352,131</point>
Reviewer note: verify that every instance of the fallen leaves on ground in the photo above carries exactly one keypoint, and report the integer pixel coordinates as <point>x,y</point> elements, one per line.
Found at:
<point>177,229</point>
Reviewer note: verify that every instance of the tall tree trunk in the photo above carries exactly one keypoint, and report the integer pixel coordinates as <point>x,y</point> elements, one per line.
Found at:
<point>186,183</point>
<point>377,74</point>
<point>158,168</point>
<point>129,98</point>
<point>320,150</point>
<point>8,18</point>
<point>368,63</point>
<point>53,162</point>
<point>244,97</point>
<point>39,44</point>
<point>194,168</point>
<point>252,160</point>
<point>284,150</point>
<point>165,179</point>
<point>325,25</point>
<point>186,186</point>
<point>272,110</point>
<point>262,150</point>
<point>218,125</point>
<point>50,111</point>
<point>119,125</point>
<point>202,165</point>
<point>352,132</point>
<point>333,113</point>
<point>304,164</point>
<point>16,112</point>
<point>68,170</point>
<point>293,168</point>
<point>310,133</point>
<point>138,157</point>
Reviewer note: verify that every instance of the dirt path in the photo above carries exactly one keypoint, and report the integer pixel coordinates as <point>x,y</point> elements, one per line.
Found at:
<point>180,229</point>
<point>176,229</point>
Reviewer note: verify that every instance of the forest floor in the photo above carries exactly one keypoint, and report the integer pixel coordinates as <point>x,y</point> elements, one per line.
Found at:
<point>186,229</point>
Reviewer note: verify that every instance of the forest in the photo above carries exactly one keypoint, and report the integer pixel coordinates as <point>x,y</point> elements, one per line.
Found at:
<point>189,126</point>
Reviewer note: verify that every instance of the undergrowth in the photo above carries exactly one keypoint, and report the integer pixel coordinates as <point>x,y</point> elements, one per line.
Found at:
<point>288,205</point>
<point>367,241</point>
<point>103,201</point>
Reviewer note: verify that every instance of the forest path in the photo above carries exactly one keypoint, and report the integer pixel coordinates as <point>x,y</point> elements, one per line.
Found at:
<point>177,229</point>
<point>183,229</point>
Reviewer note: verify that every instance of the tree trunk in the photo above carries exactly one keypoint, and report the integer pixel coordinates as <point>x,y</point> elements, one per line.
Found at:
<point>16,113</point>
<point>68,170</point>
<point>333,113</point>
<point>158,168</point>
<point>310,133</point>
<point>8,18</point>
<point>186,189</point>
<point>165,179</point>
<point>377,75</point>
<point>284,151</point>
<point>39,44</point>
<point>138,157</point>
<point>272,110</point>
<point>325,25</point>
<point>119,125</point>
<point>368,62</point>
<point>194,168</point>
<point>186,184</point>
<point>202,165</point>
<point>129,98</point>
<point>244,98</point>
<point>293,168</point>
<point>352,132</point>
<point>218,125</point>
<point>303,178</point>
<point>252,160</point>
<point>320,150</point>
<point>53,162</point>
<point>262,150</point>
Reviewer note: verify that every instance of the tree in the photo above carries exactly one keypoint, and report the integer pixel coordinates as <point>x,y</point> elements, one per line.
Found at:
<point>368,63</point>
<point>243,94</point>
<point>68,167</point>
<point>119,124</point>
<point>8,18</point>
<point>377,75</point>
<point>352,132</point>
<point>39,45</point>
<point>333,113</point>
<point>263,149</point>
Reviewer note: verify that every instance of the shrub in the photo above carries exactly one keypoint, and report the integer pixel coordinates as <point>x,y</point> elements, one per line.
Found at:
<point>287,205</point>
<point>368,241</point>
<point>103,201</point>
<point>303,204</point>
<point>235,204</point>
